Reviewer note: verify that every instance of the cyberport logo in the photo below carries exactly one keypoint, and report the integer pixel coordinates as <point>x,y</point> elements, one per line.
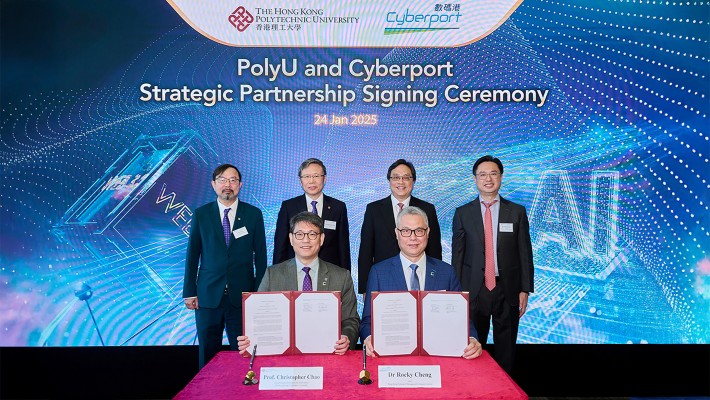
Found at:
<point>240,18</point>
<point>399,22</point>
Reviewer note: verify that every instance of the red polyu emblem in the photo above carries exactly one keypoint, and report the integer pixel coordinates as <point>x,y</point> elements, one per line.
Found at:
<point>240,18</point>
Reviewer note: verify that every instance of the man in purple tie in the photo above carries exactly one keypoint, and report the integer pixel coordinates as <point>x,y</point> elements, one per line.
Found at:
<point>336,243</point>
<point>307,272</point>
<point>492,254</point>
<point>227,249</point>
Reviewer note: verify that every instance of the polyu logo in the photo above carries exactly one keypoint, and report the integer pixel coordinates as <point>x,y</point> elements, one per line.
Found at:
<point>240,18</point>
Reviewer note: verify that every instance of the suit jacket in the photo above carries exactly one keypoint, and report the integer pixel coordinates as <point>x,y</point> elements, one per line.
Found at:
<point>210,266</point>
<point>378,241</point>
<point>331,278</point>
<point>388,276</point>
<point>335,248</point>
<point>514,249</point>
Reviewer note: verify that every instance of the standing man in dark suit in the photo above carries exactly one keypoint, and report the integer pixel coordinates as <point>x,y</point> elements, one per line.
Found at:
<point>411,269</point>
<point>492,255</point>
<point>307,272</point>
<point>336,247</point>
<point>226,255</point>
<point>377,239</point>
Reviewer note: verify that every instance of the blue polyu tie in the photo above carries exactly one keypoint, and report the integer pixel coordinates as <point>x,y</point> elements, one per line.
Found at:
<point>307,282</point>
<point>225,226</point>
<point>414,282</point>
<point>315,209</point>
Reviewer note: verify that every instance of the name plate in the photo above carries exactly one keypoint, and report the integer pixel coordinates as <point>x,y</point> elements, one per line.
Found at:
<point>409,376</point>
<point>290,378</point>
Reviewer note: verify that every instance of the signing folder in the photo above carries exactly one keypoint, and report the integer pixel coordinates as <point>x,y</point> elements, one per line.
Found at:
<point>420,323</point>
<point>291,322</point>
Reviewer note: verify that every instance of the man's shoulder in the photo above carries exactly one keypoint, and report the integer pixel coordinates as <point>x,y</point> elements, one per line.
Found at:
<point>466,206</point>
<point>417,202</point>
<point>334,269</point>
<point>438,263</point>
<point>205,208</point>
<point>386,263</point>
<point>249,208</point>
<point>282,266</point>
<point>333,201</point>
<point>294,200</point>
<point>512,204</point>
<point>379,203</point>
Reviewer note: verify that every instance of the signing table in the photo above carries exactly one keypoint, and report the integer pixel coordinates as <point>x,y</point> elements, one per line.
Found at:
<point>481,378</point>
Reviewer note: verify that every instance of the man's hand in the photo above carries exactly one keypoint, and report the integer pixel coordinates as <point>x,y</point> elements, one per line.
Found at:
<point>473,350</point>
<point>523,301</point>
<point>368,346</point>
<point>243,344</point>
<point>191,303</point>
<point>342,345</point>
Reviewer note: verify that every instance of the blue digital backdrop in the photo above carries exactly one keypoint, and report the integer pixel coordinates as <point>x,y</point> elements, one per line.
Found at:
<point>97,187</point>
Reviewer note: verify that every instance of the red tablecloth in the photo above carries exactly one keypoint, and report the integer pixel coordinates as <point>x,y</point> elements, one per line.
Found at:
<point>481,378</point>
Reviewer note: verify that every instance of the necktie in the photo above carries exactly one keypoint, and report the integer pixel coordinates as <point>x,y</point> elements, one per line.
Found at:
<point>315,209</point>
<point>414,281</point>
<point>307,282</point>
<point>225,226</point>
<point>490,272</point>
<point>401,206</point>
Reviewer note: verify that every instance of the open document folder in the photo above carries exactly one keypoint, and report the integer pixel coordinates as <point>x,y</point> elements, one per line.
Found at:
<point>291,322</point>
<point>420,323</point>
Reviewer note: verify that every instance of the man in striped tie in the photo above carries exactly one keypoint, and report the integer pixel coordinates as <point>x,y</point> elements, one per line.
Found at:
<point>412,269</point>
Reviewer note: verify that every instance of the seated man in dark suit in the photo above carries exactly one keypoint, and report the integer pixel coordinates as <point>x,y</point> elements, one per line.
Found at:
<point>411,269</point>
<point>336,246</point>
<point>377,239</point>
<point>307,272</point>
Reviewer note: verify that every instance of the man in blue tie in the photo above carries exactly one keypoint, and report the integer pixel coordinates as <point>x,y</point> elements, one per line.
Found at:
<point>336,245</point>
<point>411,269</point>
<point>227,249</point>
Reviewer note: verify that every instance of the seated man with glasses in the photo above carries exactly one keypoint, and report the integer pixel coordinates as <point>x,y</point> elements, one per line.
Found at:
<point>307,272</point>
<point>411,269</point>
<point>377,239</point>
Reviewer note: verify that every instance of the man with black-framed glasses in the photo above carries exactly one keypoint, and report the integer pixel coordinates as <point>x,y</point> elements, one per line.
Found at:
<point>377,239</point>
<point>412,269</point>
<point>227,250</point>
<point>307,272</point>
<point>491,251</point>
<point>312,176</point>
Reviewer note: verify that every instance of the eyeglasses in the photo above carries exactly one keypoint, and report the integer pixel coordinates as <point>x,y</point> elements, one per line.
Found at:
<point>484,175</point>
<point>222,180</point>
<point>311,235</point>
<point>406,232</point>
<point>397,178</point>
<point>309,177</point>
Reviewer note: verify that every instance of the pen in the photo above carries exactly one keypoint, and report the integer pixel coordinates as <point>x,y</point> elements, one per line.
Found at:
<point>251,362</point>
<point>364,357</point>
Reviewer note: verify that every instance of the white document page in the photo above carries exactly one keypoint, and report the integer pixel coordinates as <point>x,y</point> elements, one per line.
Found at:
<point>444,324</point>
<point>394,323</point>
<point>267,323</point>
<point>317,321</point>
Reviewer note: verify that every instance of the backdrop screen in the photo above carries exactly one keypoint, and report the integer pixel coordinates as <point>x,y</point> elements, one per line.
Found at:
<point>114,116</point>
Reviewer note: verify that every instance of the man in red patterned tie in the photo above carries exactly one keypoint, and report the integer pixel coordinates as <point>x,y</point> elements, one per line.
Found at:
<point>492,254</point>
